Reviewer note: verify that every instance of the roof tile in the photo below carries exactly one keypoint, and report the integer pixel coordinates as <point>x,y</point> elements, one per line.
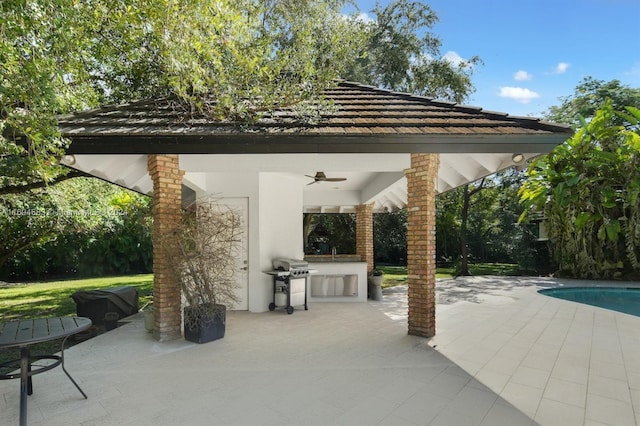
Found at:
<point>356,110</point>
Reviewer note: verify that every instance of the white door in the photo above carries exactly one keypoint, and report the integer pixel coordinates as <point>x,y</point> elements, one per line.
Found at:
<point>241,207</point>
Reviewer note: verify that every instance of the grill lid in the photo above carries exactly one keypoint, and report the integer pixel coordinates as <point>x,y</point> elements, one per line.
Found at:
<point>288,264</point>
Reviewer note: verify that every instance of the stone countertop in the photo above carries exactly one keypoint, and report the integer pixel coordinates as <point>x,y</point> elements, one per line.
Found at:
<point>327,258</point>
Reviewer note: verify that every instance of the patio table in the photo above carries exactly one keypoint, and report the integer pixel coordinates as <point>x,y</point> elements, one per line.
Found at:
<point>24,333</point>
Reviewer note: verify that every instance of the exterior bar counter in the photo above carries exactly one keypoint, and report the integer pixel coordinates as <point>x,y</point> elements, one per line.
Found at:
<point>339,278</point>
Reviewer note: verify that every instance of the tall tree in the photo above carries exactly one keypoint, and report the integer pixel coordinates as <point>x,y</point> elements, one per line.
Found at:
<point>327,231</point>
<point>227,59</point>
<point>468,193</point>
<point>492,233</point>
<point>448,206</point>
<point>589,192</point>
<point>26,220</point>
<point>390,237</point>
<point>82,226</point>
<point>594,108</point>
<point>588,96</point>
<point>401,53</point>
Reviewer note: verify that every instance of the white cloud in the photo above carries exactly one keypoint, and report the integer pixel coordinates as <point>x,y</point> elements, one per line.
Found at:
<point>634,70</point>
<point>519,94</point>
<point>561,68</point>
<point>453,57</point>
<point>364,17</point>
<point>522,75</point>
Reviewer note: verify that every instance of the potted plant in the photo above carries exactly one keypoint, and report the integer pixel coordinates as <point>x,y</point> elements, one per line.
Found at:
<point>204,261</point>
<point>375,278</point>
<point>148,316</point>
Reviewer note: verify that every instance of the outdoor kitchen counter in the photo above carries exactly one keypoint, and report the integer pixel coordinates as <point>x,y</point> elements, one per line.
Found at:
<point>337,281</point>
<point>323,258</point>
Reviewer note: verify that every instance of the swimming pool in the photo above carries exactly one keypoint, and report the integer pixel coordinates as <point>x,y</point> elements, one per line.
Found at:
<point>621,299</point>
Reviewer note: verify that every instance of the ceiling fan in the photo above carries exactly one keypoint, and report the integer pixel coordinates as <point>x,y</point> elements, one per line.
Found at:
<point>321,177</point>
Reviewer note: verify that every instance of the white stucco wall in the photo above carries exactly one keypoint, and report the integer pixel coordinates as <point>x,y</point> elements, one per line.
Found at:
<point>275,223</point>
<point>239,185</point>
<point>280,231</point>
<point>324,272</point>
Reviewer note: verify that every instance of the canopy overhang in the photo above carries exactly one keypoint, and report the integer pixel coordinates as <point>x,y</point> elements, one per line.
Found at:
<point>366,136</point>
<point>304,144</point>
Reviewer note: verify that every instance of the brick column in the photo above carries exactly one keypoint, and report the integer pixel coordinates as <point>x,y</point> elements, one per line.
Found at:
<point>166,208</point>
<point>421,243</point>
<point>364,234</point>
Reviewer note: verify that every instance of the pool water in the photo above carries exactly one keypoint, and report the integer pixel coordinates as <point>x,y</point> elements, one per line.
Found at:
<point>621,299</point>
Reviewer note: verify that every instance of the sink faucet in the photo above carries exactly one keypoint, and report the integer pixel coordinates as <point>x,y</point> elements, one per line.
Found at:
<point>333,253</point>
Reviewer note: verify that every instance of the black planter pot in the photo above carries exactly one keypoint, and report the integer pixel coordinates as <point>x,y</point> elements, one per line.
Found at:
<point>204,325</point>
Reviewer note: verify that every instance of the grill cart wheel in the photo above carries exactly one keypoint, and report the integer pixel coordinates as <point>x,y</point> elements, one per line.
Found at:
<point>272,306</point>
<point>289,310</point>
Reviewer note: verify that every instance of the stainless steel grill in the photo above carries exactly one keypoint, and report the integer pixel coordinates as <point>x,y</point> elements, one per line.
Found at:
<point>289,283</point>
<point>296,268</point>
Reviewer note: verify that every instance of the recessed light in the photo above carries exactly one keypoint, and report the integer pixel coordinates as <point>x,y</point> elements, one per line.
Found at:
<point>517,158</point>
<point>68,159</point>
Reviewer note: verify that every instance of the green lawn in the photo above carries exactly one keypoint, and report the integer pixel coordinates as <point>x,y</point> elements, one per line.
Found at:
<point>53,299</point>
<point>397,275</point>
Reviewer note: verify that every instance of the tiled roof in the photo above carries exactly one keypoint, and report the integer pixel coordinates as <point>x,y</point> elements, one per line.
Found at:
<point>362,118</point>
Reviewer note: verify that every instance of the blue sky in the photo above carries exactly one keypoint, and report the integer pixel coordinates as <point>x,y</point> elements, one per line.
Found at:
<point>537,51</point>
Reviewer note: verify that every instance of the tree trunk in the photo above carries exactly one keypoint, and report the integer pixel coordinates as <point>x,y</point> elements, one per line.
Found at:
<point>466,204</point>
<point>464,252</point>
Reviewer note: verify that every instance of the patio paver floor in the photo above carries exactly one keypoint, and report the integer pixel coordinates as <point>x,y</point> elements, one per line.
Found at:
<point>559,362</point>
<point>503,355</point>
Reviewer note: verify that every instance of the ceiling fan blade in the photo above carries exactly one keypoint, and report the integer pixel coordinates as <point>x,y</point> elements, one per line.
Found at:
<point>322,177</point>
